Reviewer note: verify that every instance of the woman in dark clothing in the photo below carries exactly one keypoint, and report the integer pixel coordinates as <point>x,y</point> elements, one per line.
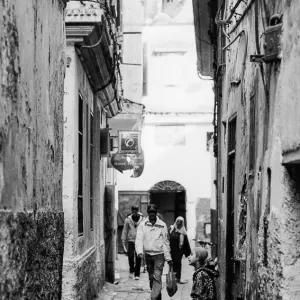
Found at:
<point>179,245</point>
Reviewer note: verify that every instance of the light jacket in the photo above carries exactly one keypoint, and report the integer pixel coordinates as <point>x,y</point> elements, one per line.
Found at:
<point>130,228</point>
<point>153,239</point>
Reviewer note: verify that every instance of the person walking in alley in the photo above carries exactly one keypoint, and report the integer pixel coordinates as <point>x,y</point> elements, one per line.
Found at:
<point>179,245</point>
<point>204,276</point>
<point>131,224</point>
<point>152,238</point>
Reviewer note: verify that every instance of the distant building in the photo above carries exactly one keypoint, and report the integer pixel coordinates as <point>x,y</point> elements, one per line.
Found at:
<point>177,118</point>
<point>251,51</point>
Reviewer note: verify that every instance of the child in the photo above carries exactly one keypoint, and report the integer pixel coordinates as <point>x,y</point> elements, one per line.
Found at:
<point>204,276</point>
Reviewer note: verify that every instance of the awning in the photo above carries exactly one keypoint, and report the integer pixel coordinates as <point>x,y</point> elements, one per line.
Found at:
<point>204,22</point>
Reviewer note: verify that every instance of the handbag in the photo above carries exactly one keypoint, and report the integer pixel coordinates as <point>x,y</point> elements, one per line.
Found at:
<point>171,282</point>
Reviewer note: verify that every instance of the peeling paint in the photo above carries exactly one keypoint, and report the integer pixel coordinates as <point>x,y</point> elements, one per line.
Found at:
<point>267,210</point>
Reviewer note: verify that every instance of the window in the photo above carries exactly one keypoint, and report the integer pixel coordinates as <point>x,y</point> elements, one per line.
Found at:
<point>209,136</point>
<point>85,165</point>
<point>232,136</point>
<point>80,166</point>
<point>230,202</point>
<point>169,67</point>
<point>91,170</point>
<point>252,139</point>
<point>231,165</point>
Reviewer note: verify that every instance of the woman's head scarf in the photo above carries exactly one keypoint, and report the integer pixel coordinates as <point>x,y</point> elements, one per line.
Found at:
<point>182,230</point>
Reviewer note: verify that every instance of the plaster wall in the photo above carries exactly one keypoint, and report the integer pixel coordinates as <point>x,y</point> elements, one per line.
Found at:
<point>269,193</point>
<point>32,39</point>
<point>84,269</point>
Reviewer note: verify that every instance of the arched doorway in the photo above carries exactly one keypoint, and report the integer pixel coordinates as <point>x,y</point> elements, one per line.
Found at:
<point>169,197</point>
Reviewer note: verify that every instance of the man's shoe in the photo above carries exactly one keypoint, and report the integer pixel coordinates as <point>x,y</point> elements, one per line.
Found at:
<point>130,275</point>
<point>137,278</point>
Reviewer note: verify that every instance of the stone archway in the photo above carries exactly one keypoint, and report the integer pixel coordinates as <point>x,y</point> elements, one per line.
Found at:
<point>167,185</point>
<point>170,198</point>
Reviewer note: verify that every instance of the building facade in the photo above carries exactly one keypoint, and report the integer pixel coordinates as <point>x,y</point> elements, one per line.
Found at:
<point>177,121</point>
<point>251,50</point>
<point>95,109</point>
<point>32,68</point>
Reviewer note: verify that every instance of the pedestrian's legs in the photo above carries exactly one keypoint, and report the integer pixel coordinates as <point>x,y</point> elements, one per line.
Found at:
<point>150,268</point>
<point>176,259</point>
<point>144,263</point>
<point>131,256</point>
<point>137,268</point>
<point>159,262</point>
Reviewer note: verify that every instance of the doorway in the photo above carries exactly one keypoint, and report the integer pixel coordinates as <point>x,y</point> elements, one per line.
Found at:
<point>170,199</point>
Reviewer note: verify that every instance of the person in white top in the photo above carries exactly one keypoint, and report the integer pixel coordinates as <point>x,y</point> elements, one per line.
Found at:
<point>131,224</point>
<point>152,238</point>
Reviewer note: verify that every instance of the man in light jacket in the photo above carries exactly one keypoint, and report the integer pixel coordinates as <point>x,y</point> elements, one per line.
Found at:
<point>152,238</point>
<point>131,224</point>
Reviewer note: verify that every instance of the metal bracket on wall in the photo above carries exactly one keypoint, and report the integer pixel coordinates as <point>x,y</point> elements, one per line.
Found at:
<point>257,58</point>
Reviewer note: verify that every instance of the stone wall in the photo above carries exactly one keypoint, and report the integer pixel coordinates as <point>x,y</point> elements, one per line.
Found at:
<point>266,195</point>
<point>31,255</point>
<point>32,66</point>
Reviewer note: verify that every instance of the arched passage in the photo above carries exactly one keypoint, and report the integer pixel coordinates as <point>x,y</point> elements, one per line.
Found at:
<point>170,198</point>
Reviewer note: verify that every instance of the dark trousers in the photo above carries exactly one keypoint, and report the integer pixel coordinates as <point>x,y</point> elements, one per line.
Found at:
<point>132,257</point>
<point>155,265</point>
<point>176,259</point>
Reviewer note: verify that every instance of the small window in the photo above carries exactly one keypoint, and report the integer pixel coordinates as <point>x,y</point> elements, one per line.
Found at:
<point>91,171</point>
<point>80,166</point>
<point>209,136</point>
<point>104,142</point>
<point>232,135</point>
<point>252,135</point>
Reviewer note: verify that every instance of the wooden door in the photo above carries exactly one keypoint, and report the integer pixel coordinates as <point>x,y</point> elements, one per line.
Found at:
<point>109,232</point>
<point>126,200</point>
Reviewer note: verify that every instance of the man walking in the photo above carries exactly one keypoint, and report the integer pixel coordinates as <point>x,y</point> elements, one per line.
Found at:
<point>131,223</point>
<point>152,238</point>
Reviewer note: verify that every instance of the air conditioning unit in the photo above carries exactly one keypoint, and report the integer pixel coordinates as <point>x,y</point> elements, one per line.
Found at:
<point>105,142</point>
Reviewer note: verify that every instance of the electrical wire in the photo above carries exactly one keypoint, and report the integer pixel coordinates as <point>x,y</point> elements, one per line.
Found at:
<point>242,17</point>
<point>232,12</point>
<point>237,36</point>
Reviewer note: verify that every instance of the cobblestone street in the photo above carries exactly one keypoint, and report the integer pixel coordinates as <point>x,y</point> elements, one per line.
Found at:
<point>131,289</point>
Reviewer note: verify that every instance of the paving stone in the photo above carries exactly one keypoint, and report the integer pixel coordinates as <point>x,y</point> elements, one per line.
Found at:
<point>131,289</point>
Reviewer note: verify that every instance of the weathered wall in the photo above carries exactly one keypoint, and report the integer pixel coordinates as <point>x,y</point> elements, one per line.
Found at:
<point>202,217</point>
<point>32,40</point>
<point>84,266</point>
<point>266,197</point>
<point>290,74</point>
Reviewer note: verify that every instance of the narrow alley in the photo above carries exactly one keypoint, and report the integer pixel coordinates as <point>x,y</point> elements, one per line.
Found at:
<point>131,130</point>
